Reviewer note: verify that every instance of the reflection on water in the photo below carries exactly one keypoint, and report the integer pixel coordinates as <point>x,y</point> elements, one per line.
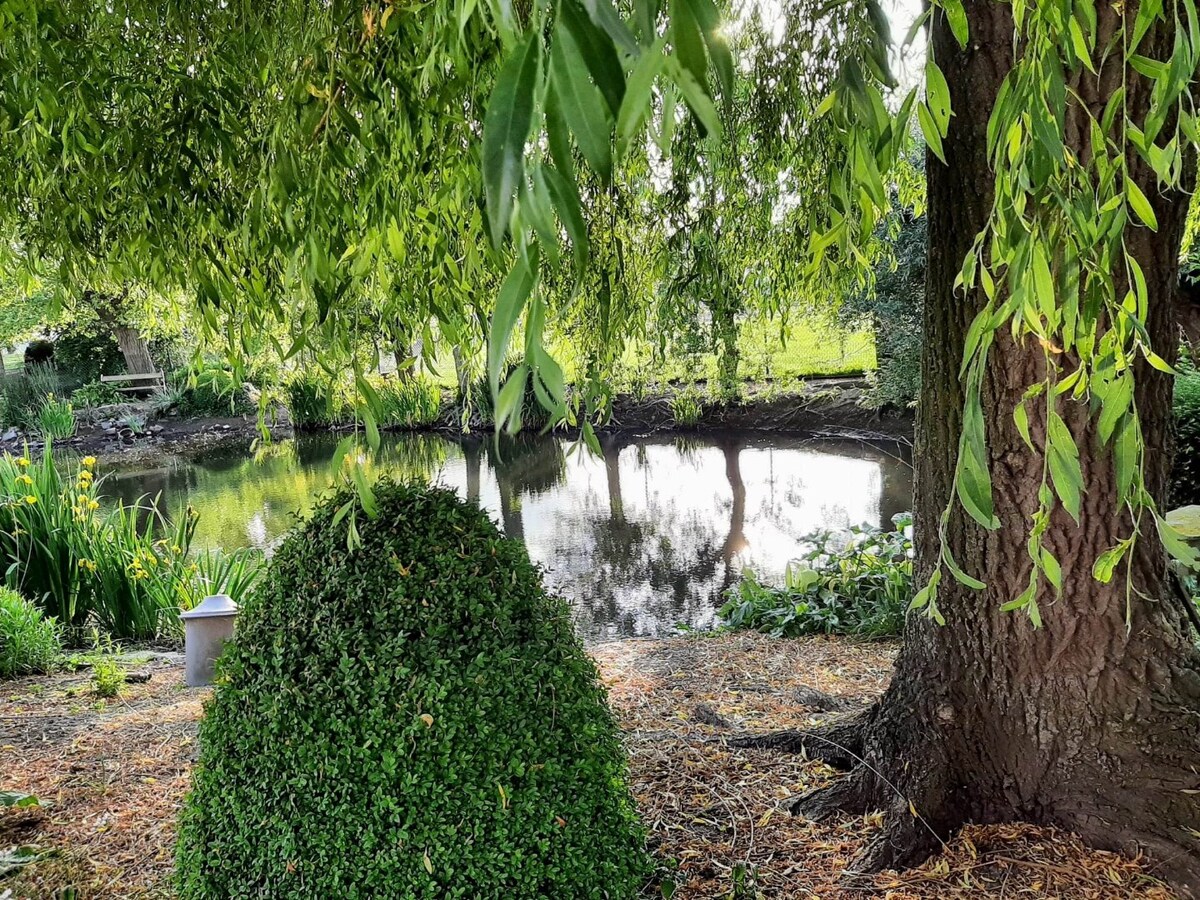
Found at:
<point>641,539</point>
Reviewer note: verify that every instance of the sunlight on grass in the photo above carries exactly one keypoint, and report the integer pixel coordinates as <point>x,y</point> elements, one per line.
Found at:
<point>806,348</point>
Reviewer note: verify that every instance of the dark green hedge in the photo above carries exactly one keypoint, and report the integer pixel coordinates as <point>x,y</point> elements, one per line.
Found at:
<point>1185,479</point>
<point>411,719</point>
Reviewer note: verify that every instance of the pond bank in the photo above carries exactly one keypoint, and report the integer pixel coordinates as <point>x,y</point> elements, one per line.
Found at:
<point>825,407</point>
<point>114,777</point>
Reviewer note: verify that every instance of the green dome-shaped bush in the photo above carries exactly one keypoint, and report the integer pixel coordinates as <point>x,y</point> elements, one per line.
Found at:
<point>413,718</point>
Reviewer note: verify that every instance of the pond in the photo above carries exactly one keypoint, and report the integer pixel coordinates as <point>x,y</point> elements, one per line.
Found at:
<point>641,540</point>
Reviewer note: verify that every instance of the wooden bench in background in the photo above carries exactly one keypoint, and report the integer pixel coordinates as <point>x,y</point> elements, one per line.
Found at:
<point>147,381</point>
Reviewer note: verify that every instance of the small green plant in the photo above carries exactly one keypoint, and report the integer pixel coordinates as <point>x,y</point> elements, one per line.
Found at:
<point>687,406</point>
<point>108,678</point>
<point>421,698</point>
<point>57,418</point>
<point>234,573</point>
<point>29,642</point>
<point>18,800</point>
<point>858,582</point>
<point>93,394</point>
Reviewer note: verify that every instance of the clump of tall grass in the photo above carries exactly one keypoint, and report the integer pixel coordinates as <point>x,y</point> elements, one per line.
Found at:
<point>56,419</point>
<point>316,401</point>
<point>22,397</point>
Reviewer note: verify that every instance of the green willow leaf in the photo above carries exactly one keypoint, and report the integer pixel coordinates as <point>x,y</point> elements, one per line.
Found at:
<point>510,400</point>
<point>1063,461</point>
<point>636,105</point>
<point>582,104</point>
<point>597,49</point>
<point>709,18</point>
<point>688,41</point>
<point>697,98</point>
<point>930,131</point>
<point>565,196</point>
<point>1107,562</point>
<point>509,304</point>
<point>956,15</point>
<point>1140,205</point>
<point>606,17</point>
<point>937,97</point>
<point>506,127</point>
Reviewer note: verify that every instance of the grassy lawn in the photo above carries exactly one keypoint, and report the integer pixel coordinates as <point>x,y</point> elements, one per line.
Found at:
<point>807,347</point>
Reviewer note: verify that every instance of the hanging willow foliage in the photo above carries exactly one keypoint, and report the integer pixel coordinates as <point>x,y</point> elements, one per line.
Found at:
<point>1053,259</point>
<point>319,166</point>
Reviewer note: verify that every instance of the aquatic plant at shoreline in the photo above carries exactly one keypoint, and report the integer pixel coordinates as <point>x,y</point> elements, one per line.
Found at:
<point>124,567</point>
<point>857,582</point>
<point>56,419</point>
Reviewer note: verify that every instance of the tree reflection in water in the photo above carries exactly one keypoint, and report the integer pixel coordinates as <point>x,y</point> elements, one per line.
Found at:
<point>644,537</point>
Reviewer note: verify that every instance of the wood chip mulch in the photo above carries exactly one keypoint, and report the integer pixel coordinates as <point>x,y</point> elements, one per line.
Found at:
<point>114,775</point>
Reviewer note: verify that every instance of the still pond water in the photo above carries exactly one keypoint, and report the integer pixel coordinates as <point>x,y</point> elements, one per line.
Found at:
<point>640,540</point>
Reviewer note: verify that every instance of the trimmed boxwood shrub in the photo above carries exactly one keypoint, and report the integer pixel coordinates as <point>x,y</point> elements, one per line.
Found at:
<point>411,718</point>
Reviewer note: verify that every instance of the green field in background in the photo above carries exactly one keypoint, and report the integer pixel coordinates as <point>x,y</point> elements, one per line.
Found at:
<point>807,348</point>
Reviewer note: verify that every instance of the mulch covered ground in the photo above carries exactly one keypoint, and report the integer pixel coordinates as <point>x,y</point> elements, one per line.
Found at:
<point>115,774</point>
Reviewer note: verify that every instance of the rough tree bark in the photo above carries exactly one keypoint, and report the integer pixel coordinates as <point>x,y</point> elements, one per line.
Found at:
<point>135,350</point>
<point>1091,723</point>
<point>112,309</point>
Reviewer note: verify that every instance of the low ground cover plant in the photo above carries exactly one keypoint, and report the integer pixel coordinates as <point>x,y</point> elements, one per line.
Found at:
<point>414,717</point>
<point>856,582</point>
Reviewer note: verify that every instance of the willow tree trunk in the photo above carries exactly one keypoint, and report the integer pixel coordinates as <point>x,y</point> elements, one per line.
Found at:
<point>135,350</point>
<point>1092,722</point>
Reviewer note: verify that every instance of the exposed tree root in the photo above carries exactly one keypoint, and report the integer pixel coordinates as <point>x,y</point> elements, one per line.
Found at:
<point>848,795</point>
<point>904,841</point>
<point>838,744</point>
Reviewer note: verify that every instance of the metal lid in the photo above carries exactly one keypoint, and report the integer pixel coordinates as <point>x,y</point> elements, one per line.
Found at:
<point>211,607</point>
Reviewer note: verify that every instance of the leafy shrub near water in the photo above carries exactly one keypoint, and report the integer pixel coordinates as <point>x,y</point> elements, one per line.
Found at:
<point>95,393</point>
<point>411,718</point>
<point>859,584</point>
<point>29,642</point>
<point>212,390</point>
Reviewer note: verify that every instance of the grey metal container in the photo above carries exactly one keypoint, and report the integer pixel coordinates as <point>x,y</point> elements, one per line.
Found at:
<point>206,629</point>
